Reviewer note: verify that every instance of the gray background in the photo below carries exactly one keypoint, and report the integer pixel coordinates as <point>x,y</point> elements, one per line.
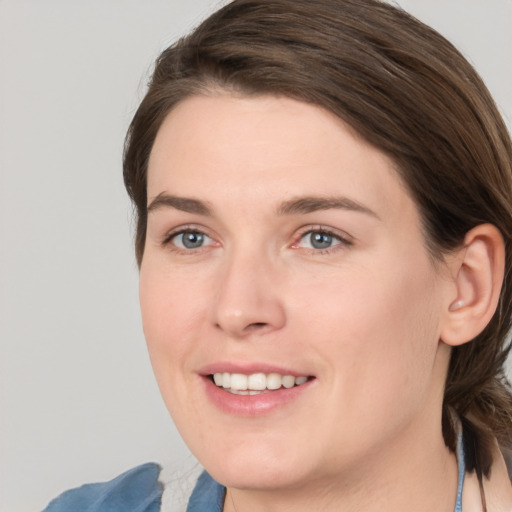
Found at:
<point>78,399</point>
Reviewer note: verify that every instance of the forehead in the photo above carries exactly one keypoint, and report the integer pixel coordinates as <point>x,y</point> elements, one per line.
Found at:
<point>263,147</point>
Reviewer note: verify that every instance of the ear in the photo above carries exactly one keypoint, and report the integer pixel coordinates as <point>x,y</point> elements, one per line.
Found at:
<point>477,271</point>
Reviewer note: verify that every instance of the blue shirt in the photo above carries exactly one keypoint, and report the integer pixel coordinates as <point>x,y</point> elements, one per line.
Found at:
<point>137,490</point>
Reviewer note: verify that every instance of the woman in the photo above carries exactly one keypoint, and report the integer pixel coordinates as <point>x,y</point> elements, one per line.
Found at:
<point>324,235</point>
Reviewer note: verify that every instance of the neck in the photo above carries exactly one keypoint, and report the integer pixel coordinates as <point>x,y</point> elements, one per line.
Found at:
<point>419,476</point>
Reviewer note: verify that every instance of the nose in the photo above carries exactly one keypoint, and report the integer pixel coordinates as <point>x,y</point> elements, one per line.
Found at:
<point>248,300</point>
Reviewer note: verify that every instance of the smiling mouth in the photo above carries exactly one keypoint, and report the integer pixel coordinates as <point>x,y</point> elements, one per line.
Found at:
<point>256,383</point>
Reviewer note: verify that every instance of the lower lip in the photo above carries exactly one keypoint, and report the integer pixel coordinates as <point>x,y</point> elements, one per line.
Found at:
<point>252,405</point>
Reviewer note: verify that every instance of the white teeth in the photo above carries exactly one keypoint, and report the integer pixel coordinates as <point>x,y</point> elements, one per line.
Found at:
<point>289,381</point>
<point>256,382</point>
<point>274,381</point>
<point>226,380</point>
<point>238,381</point>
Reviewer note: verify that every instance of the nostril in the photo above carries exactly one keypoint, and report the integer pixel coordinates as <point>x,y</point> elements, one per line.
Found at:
<point>256,325</point>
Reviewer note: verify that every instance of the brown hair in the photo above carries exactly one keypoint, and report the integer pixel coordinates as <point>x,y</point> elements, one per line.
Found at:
<point>407,91</point>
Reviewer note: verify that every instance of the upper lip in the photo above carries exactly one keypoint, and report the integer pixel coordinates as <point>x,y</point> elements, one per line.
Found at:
<point>249,368</point>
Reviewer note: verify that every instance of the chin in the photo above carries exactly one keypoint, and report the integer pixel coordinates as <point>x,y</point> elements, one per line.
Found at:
<point>250,464</point>
<point>258,476</point>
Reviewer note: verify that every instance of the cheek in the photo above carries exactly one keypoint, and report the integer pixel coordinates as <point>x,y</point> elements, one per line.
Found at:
<point>173,314</point>
<point>380,329</point>
<point>405,335</point>
<point>172,318</point>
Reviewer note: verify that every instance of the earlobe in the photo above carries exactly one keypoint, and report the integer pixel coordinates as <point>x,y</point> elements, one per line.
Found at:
<point>478,275</point>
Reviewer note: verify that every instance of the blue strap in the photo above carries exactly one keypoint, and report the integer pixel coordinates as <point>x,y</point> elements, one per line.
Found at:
<point>461,459</point>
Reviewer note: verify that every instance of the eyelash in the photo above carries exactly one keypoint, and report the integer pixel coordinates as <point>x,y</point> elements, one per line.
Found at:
<point>168,239</point>
<point>343,241</point>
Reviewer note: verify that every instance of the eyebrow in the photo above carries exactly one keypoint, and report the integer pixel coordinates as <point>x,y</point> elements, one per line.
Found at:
<point>310,204</point>
<point>298,206</point>
<point>185,204</point>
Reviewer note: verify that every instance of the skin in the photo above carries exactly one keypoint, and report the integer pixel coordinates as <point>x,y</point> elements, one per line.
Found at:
<point>363,317</point>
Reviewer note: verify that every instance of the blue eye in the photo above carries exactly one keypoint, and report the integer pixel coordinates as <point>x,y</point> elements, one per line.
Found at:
<point>190,240</point>
<point>319,240</point>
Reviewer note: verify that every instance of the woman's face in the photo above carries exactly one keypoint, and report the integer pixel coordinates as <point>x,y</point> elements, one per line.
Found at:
<point>282,248</point>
